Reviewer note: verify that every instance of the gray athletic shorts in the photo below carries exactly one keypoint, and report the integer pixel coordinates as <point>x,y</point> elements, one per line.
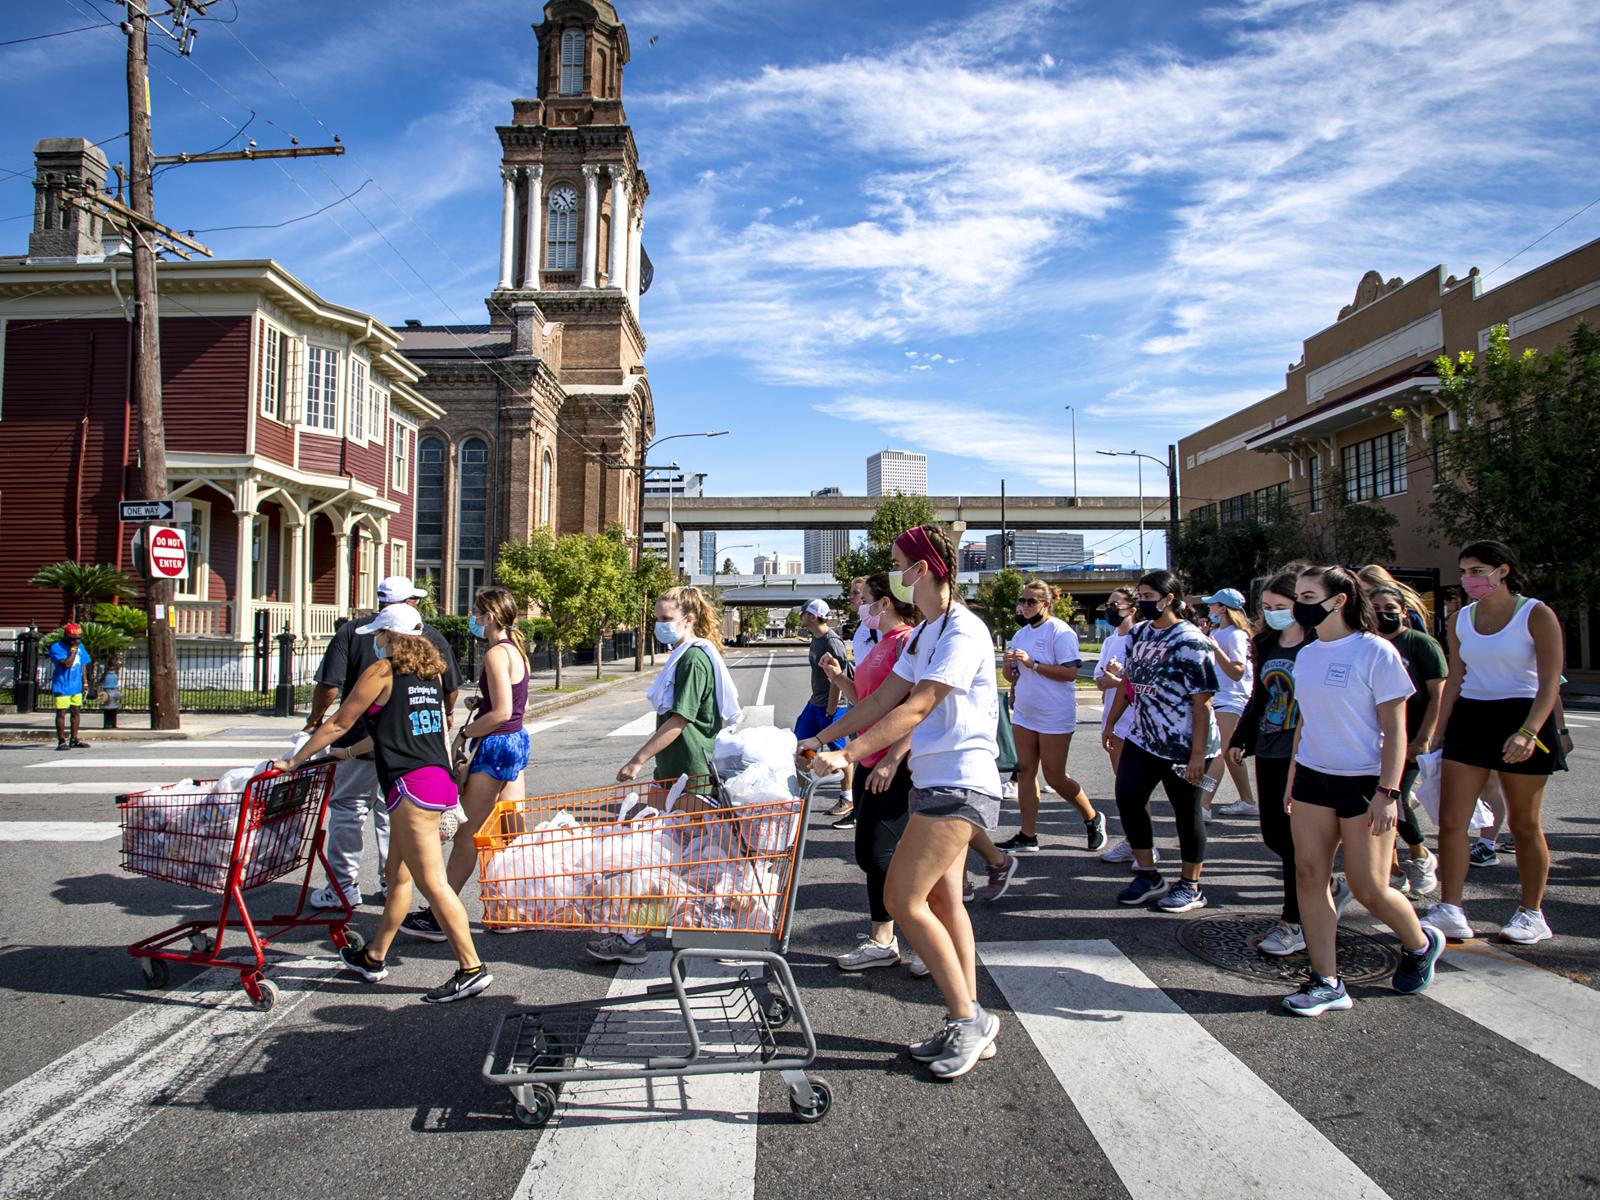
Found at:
<point>966,804</point>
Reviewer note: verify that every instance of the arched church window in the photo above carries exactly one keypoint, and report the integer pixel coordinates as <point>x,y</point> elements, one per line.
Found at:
<point>430,500</point>
<point>561,236</point>
<point>547,489</point>
<point>572,62</point>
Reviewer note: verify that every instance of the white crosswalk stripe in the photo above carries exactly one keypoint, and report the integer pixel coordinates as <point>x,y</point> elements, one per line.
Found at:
<point>1121,1049</point>
<point>58,831</point>
<point>640,727</point>
<point>184,763</point>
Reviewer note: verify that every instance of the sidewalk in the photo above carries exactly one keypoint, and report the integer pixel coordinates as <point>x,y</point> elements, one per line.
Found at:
<point>578,685</point>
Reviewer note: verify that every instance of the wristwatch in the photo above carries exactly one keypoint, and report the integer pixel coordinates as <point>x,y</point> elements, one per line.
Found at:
<point>1392,793</point>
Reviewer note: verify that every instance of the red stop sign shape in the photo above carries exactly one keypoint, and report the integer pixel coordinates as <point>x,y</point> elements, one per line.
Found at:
<point>169,556</point>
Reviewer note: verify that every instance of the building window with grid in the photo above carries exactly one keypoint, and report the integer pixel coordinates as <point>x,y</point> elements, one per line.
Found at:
<point>1437,428</point>
<point>1205,514</point>
<point>572,42</point>
<point>1314,479</point>
<point>1268,498</point>
<point>561,230</point>
<point>430,500</point>
<point>1375,468</point>
<point>275,355</point>
<point>472,520</point>
<point>1235,509</point>
<point>358,401</point>
<point>547,489</point>
<point>322,388</point>
<point>401,480</point>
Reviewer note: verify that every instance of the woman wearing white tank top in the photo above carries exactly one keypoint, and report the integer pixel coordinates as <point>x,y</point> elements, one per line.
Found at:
<point>1498,715</point>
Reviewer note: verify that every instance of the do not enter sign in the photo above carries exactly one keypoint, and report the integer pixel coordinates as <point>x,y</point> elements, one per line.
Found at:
<point>168,553</point>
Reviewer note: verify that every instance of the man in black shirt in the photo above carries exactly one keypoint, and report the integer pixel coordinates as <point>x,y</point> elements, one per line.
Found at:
<point>355,781</point>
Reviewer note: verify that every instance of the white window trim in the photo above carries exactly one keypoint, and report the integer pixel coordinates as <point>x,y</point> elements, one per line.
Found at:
<point>356,401</point>
<point>323,428</point>
<point>400,456</point>
<point>399,557</point>
<point>377,411</point>
<point>199,581</point>
<point>275,335</point>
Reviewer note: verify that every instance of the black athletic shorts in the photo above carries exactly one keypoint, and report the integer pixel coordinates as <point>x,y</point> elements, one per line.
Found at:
<point>1348,795</point>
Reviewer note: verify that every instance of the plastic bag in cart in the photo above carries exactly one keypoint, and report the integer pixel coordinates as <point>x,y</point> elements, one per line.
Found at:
<point>740,750</point>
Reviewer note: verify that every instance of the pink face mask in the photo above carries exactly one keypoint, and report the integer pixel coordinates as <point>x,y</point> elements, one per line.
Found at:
<point>868,617</point>
<point>1478,586</point>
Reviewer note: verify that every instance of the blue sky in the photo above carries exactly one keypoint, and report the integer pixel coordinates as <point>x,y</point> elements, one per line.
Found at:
<point>924,226</point>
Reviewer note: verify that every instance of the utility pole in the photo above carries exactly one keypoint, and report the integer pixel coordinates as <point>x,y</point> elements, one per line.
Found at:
<point>146,372</point>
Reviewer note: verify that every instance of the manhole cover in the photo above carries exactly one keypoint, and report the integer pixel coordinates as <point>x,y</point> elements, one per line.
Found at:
<point>1223,941</point>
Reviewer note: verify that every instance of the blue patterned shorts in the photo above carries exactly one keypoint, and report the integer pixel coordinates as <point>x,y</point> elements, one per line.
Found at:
<point>501,756</point>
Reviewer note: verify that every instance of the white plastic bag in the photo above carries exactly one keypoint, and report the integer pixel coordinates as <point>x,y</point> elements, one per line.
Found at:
<point>740,750</point>
<point>1430,773</point>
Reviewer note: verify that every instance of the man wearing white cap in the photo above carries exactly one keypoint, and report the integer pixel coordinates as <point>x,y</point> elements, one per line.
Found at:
<point>824,704</point>
<point>355,781</point>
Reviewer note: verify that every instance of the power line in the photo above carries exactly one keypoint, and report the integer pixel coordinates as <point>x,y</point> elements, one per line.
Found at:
<point>290,221</point>
<point>1546,234</point>
<point>39,37</point>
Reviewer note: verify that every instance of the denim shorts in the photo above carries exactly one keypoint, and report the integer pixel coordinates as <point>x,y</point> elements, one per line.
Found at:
<point>966,804</point>
<point>501,756</point>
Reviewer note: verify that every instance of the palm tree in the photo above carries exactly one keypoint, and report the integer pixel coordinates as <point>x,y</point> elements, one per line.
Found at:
<point>83,583</point>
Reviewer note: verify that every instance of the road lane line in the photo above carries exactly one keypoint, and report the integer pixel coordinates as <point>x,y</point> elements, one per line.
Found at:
<point>1122,1050</point>
<point>58,831</point>
<point>544,726</point>
<point>51,787</point>
<point>96,763</point>
<point>1542,1012</point>
<point>684,1137</point>
<point>766,677</point>
<point>641,726</point>
<point>62,1120</point>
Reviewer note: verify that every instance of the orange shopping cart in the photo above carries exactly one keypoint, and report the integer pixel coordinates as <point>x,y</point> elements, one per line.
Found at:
<point>229,843</point>
<point>680,859</point>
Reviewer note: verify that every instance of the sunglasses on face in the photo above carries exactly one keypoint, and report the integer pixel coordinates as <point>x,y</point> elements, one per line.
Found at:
<point>1030,601</point>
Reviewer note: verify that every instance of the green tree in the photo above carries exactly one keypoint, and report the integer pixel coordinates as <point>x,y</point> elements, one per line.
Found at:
<point>1216,555</point>
<point>895,514</point>
<point>82,583</point>
<point>1347,531</point>
<point>753,621</point>
<point>1523,464</point>
<point>131,621</point>
<point>728,568</point>
<point>614,594</point>
<point>552,574</point>
<point>997,601</point>
<point>1065,607</point>
<point>791,622</point>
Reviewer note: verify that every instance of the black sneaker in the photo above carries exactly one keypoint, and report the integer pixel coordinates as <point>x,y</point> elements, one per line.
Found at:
<point>459,986</point>
<point>848,821</point>
<point>63,745</point>
<point>78,744</point>
<point>1096,831</point>
<point>421,924</point>
<point>363,964</point>
<point>1019,843</point>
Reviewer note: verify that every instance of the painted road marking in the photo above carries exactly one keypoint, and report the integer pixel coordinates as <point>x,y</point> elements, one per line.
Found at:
<point>543,726</point>
<point>97,764</point>
<point>641,726</point>
<point>766,677</point>
<point>42,787</point>
<point>1553,1017</point>
<point>754,715</point>
<point>1122,1049</point>
<point>58,831</point>
<point>684,1137</point>
<point>63,1119</point>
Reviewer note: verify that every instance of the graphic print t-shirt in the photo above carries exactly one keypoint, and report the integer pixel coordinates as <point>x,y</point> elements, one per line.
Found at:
<point>1279,712</point>
<point>1168,668</point>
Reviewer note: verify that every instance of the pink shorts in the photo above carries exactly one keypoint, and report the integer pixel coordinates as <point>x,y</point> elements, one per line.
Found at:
<point>429,788</point>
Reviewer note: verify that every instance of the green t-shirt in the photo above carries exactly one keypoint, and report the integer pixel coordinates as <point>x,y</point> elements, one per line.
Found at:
<point>695,700</point>
<point>1424,660</point>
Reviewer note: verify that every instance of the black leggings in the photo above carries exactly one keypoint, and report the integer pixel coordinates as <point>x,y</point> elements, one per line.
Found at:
<point>1272,788</point>
<point>1406,822</point>
<point>880,820</point>
<point>1137,778</point>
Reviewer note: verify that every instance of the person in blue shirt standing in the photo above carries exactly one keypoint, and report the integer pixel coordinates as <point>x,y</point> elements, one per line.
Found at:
<point>69,657</point>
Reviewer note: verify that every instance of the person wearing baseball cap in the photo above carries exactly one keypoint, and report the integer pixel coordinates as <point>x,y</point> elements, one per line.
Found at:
<point>68,658</point>
<point>825,705</point>
<point>1230,639</point>
<point>355,782</point>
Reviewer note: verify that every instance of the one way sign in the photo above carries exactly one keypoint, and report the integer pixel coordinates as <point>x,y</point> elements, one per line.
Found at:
<point>144,510</point>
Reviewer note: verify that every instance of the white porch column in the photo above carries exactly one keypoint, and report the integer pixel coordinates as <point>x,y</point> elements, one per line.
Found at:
<point>619,228</point>
<point>591,225</point>
<point>345,540</point>
<point>508,217</point>
<point>244,582</point>
<point>635,258</point>
<point>535,236</point>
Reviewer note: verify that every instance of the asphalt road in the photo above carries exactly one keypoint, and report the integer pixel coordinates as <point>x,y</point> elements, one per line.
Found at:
<point>1127,1066</point>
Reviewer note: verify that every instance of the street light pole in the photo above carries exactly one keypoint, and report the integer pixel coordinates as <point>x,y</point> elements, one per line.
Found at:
<point>1074,411</point>
<point>1171,468</point>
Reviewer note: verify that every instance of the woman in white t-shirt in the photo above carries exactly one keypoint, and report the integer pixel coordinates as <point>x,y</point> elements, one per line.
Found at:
<point>1351,686</point>
<point>1042,665</point>
<point>943,694</point>
<point>1230,635</point>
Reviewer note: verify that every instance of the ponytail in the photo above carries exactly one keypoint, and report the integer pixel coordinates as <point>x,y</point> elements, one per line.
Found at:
<point>697,606</point>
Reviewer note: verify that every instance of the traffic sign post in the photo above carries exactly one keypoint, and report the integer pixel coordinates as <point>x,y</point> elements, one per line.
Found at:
<point>131,511</point>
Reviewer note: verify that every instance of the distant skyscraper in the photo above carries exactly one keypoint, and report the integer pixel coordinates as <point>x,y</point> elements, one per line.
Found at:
<point>1041,551</point>
<point>891,471</point>
<point>824,546</point>
<point>767,564</point>
<point>974,556</point>
<point>692,556</point>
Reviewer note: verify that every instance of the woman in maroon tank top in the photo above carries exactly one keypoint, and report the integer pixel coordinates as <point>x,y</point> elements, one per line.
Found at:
<point>501,755</point>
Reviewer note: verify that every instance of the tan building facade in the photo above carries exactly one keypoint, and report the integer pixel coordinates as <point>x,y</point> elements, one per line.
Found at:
<point>546,399</point>
<point>1335,412</point>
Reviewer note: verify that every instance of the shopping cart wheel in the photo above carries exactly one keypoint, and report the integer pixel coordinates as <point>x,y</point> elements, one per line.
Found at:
<point>155,972</point>
<point>347,937</point>
<point>263,996</point>
<point>821,1102</point>
<point>200,943</point>
<point>778,1012</point>
<point>537,1106</point>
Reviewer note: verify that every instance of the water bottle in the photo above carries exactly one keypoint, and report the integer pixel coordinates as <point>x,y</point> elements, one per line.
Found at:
<point>1207,784</point>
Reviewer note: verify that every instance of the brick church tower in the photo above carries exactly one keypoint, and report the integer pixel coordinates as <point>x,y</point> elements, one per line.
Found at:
<point>555,384</point>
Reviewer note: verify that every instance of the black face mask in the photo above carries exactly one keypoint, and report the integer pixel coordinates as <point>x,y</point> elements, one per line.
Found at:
<point>1024,619</point>
<point>1389,622</point>
<point>1149,610</point>
<point>1310,615</point>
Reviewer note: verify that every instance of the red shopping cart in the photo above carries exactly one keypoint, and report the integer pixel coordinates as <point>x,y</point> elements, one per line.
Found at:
<point>230,843</point>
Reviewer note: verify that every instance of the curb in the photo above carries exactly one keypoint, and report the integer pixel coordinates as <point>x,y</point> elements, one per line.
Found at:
<point>32,734</point>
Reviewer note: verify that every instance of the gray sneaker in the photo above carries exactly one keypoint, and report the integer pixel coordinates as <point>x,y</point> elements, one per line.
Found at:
<point>1422,877</point>
<point>964,1045</point>
<point>929,1049</point>
<point>615,948</point>
<point>1343,897</point>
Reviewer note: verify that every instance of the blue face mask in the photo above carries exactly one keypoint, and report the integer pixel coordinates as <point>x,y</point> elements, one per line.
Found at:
<point>1278,618</point>
<point>379,650</point>
<point>667,633</point>
<point>475,626</point>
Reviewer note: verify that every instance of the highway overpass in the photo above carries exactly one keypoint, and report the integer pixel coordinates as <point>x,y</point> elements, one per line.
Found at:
<point>734,514</point>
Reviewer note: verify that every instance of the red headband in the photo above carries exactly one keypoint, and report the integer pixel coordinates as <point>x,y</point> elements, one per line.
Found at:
<point>916,545</point>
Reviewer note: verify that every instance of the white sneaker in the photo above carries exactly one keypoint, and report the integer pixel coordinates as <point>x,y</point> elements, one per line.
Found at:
<point>1238,808</point>
<point>1008,790</point>
<point>1284,940</point>
<point>326,897</point>
<point>1422,877</point>
<point>914,964</point>
<point>1133,863</point>
<point>1121,852</point>
<point>870,954</point>
<point>1399,882</point>
<point>1451,920</point>
<point>1205,814</point>
<point>1526,927</point>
